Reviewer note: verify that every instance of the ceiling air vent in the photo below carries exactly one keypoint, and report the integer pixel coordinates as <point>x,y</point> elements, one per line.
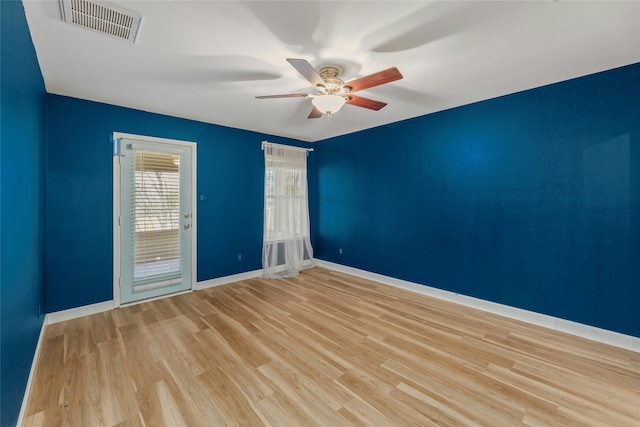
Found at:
<point>101,17</point>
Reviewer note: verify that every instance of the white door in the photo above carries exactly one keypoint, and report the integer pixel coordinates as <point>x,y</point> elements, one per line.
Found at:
<point>156,217</point>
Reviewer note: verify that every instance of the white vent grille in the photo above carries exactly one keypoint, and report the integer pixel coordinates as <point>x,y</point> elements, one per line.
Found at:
<point>101,17</point>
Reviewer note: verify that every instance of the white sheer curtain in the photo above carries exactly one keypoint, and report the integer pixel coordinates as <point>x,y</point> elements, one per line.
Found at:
<point>286,246</point>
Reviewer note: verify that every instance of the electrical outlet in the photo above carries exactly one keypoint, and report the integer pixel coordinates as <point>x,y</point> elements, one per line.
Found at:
<point>239,257</point>
<point>340,251</point>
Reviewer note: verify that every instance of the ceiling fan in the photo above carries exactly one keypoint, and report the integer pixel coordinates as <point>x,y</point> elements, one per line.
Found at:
<point>332,93</point>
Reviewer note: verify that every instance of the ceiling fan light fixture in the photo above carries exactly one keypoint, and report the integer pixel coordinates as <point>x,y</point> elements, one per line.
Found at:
<point>328,104</point>
<point>332,92</point>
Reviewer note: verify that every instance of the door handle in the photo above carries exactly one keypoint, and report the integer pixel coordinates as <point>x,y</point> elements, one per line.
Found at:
<point>187,226</point>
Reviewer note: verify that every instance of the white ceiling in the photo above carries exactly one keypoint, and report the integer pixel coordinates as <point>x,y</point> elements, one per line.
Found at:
<point>207,60</point>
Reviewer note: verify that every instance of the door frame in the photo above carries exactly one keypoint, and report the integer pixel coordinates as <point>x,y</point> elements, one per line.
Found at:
<point>117,136</point>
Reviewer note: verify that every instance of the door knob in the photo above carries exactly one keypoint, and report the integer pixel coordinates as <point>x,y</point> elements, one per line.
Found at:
<point>187,226</point>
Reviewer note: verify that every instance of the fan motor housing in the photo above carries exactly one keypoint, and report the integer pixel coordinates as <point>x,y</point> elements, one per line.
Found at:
<point>330,75</point>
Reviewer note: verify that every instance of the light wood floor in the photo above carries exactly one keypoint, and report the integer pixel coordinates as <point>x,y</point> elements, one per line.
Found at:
<point>324,349</point>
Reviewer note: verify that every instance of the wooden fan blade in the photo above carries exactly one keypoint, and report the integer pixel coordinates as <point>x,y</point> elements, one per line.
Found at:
<point>315,113</point>
<point>289,95</point>
<point>375,79</point>
<point>359,101</point>
<point>307,71</point>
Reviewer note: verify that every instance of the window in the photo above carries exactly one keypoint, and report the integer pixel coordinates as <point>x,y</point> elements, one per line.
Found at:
<point>296,196</point>
<point>287,246</point>
<point>156,211</point>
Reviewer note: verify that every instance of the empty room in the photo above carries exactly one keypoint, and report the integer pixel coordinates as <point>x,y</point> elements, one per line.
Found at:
<point>319,213</point>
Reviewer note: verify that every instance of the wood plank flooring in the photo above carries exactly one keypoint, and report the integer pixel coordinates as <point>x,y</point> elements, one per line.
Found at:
<point>324,349</point>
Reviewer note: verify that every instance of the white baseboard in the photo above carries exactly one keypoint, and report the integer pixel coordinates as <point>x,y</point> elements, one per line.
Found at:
<point>585,331</point>
<point>86,310</point>
<point>228,279</point>
<point>36,354</point>
<point>74,313</point>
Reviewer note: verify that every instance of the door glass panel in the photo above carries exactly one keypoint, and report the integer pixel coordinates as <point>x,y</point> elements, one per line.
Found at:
<point>156,215</point>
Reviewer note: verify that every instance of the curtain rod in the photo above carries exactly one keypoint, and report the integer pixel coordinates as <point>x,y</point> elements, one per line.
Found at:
<point>289,147</point>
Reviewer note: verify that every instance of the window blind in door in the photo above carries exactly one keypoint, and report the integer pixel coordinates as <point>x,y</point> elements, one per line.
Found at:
<point>155,213</point>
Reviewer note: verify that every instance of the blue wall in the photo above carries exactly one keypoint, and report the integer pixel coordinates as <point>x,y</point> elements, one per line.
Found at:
<point>530,200</point>
<point>22,190</point>
<point>230,173</point>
